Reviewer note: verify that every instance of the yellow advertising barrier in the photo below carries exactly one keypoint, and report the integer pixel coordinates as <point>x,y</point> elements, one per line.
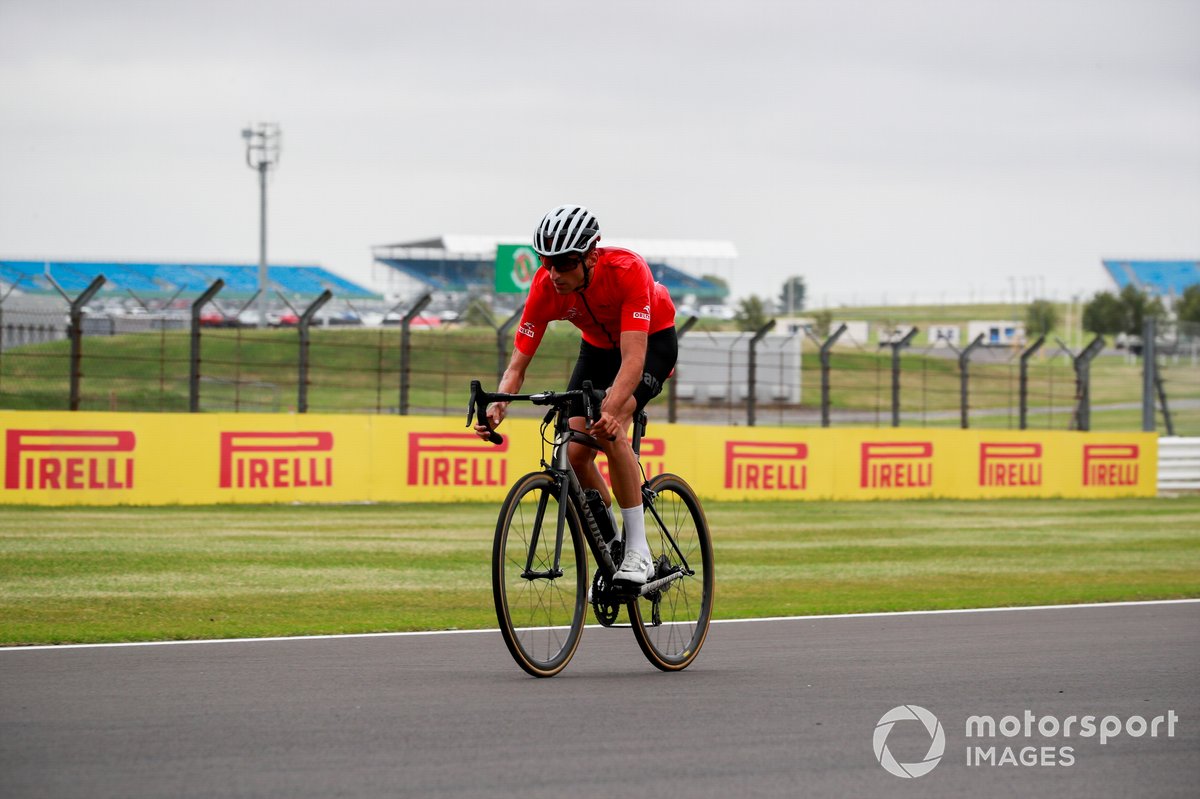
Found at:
<point>58,458</point>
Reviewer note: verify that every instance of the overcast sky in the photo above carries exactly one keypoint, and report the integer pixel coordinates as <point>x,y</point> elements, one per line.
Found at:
<point>880,148</point>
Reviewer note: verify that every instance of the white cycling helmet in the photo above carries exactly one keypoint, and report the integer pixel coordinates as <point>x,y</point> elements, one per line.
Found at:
<point>567,228</point>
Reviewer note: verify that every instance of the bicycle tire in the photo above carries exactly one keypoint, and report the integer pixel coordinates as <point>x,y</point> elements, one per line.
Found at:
<point>541,618</point>
<point>672,637</point>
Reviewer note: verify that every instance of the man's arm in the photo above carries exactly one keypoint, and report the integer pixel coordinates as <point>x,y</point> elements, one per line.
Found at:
<point>618,404</point>
<point>514,376</point>
<point>510,383</point>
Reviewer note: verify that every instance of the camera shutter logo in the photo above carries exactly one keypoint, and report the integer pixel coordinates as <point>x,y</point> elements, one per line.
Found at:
<point>937,744</point>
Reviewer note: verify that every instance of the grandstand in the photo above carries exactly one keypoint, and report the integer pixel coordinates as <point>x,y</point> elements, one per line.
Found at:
<point>459,263</point>
<point>166,280</point>
<point>1163,278</point>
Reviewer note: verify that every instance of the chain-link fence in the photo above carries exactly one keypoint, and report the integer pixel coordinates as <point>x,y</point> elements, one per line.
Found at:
<point>201,358</point>
<point>1178,386</point>
<point>34,363</point>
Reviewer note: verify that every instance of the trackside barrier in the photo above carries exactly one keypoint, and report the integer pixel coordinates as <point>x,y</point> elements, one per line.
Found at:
<point>1179,464</point>
<point>61,458</point>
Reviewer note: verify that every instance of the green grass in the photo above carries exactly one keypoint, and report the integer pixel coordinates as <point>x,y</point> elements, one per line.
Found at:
<point>926,315</point>
<point>96,574</point>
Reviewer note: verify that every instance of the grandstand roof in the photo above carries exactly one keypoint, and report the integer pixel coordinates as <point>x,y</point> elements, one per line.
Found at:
<point>157,280</point>
<point>650,249</point>
<point>1155,277</point>
<point>462,262</point>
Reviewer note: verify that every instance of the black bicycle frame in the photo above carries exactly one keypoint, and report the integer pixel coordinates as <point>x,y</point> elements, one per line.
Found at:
<point>568,482</point>
<point>565,477</point>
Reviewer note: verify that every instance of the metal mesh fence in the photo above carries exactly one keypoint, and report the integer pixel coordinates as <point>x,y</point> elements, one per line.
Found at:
<point>134,363</point>
<point>143,362</point>
<point>1179,370</point>
<point>34,363</point>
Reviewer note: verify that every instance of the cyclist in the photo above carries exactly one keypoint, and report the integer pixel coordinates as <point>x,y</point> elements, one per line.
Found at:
<point>629,347</point>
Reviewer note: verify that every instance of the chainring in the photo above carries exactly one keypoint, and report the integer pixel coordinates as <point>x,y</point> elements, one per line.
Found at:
<point>604,605</point>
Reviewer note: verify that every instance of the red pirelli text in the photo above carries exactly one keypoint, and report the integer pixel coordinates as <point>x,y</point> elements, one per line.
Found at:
<point>1110,464</point>
<point>896,464</point>
<point>455,459</point>
<point>69,460</point>
<point>256,459</point>
<point>766,465</point>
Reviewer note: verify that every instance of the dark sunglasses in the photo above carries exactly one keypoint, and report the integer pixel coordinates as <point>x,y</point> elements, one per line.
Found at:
<point>562,263</point>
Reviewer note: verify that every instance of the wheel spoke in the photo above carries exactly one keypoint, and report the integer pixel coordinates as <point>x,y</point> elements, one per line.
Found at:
<point>541,617</point>
<point>685,604</point>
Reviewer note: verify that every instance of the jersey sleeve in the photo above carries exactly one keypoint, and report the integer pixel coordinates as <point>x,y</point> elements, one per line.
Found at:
<point>637,293</point>
<point>534,320</point>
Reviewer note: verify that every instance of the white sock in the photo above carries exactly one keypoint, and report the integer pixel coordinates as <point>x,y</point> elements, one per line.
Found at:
<point>635,530</point>
<point>612,517</point>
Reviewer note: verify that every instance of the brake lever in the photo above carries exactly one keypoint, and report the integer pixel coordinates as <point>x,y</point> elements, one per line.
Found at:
<point>476,387</point>
<point>589,406</point>
<point>479,407</point>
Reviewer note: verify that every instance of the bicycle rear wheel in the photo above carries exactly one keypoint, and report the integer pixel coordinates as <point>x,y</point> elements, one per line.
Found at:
<point>540,610</point>
<point>671,623</point>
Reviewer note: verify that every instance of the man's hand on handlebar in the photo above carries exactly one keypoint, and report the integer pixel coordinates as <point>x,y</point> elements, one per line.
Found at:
<point>615,416</point>
<point>496,412</point>
<point>606,427</point>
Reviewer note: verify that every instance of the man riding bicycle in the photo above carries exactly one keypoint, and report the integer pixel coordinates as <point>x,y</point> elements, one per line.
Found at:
<point>629,346</point>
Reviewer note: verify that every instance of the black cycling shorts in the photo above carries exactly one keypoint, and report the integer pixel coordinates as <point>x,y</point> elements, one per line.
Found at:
<point>601,367</point>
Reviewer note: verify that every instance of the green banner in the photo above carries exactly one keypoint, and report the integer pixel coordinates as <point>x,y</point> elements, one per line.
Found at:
<point>516,264</point>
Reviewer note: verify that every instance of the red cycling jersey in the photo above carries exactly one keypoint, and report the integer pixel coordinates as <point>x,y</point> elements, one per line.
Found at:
<point>622,296</point>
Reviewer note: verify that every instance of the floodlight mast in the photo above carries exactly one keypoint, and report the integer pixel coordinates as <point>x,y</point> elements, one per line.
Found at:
<point>262,154</point>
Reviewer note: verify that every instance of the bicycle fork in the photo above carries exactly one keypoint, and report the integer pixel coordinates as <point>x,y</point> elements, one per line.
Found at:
<point>569,490</point>
<point>555,571</point>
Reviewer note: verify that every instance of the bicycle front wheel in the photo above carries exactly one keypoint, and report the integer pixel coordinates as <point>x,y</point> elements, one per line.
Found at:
<point>670,624</point>
<point>540,590</point>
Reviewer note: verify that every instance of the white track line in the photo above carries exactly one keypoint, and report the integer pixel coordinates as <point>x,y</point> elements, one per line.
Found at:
<point>886,614</point>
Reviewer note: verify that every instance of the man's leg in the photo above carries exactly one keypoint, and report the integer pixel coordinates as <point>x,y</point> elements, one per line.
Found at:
<point>626,478</point>
<point>627,490</point>
<point>636,567</point>
<point>583,461</point>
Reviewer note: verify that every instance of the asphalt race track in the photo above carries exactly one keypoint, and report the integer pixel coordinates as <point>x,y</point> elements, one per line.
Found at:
<point>770,708</point>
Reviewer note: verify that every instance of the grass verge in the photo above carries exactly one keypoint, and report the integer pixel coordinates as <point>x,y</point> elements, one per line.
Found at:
<point>134,574</point>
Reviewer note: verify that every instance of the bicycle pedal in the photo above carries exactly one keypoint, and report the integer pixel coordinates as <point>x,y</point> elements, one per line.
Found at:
<point>623,589</point>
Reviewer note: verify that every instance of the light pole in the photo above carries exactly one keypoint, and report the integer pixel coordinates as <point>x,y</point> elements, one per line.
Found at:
<point>262,153</point>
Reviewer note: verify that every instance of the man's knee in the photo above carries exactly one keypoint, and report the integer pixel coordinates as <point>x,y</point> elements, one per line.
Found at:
<point>617,446</point>
<point>580,456</point>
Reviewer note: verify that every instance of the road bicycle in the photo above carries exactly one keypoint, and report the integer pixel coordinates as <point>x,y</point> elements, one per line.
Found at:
<point>539,558</point>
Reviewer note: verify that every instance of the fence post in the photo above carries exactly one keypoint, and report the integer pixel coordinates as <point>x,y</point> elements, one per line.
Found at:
<point>1149,370</point>
<point>76,333</point>
<point>671,398</point>
<point>405,348</point>
<point>302,325</point>
<point>752,372</point>
<point>1162,399</point>
<point>825,354</point>
<point>896,347</point>
<point>3,334</point>
<point>1083,383</point>
<point>1023,382</point>
<point>502,342</point>
<point>194,367</point>
<point>964,359</point>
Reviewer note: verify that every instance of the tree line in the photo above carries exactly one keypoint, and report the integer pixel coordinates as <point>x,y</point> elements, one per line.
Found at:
<point>1106,313</point>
